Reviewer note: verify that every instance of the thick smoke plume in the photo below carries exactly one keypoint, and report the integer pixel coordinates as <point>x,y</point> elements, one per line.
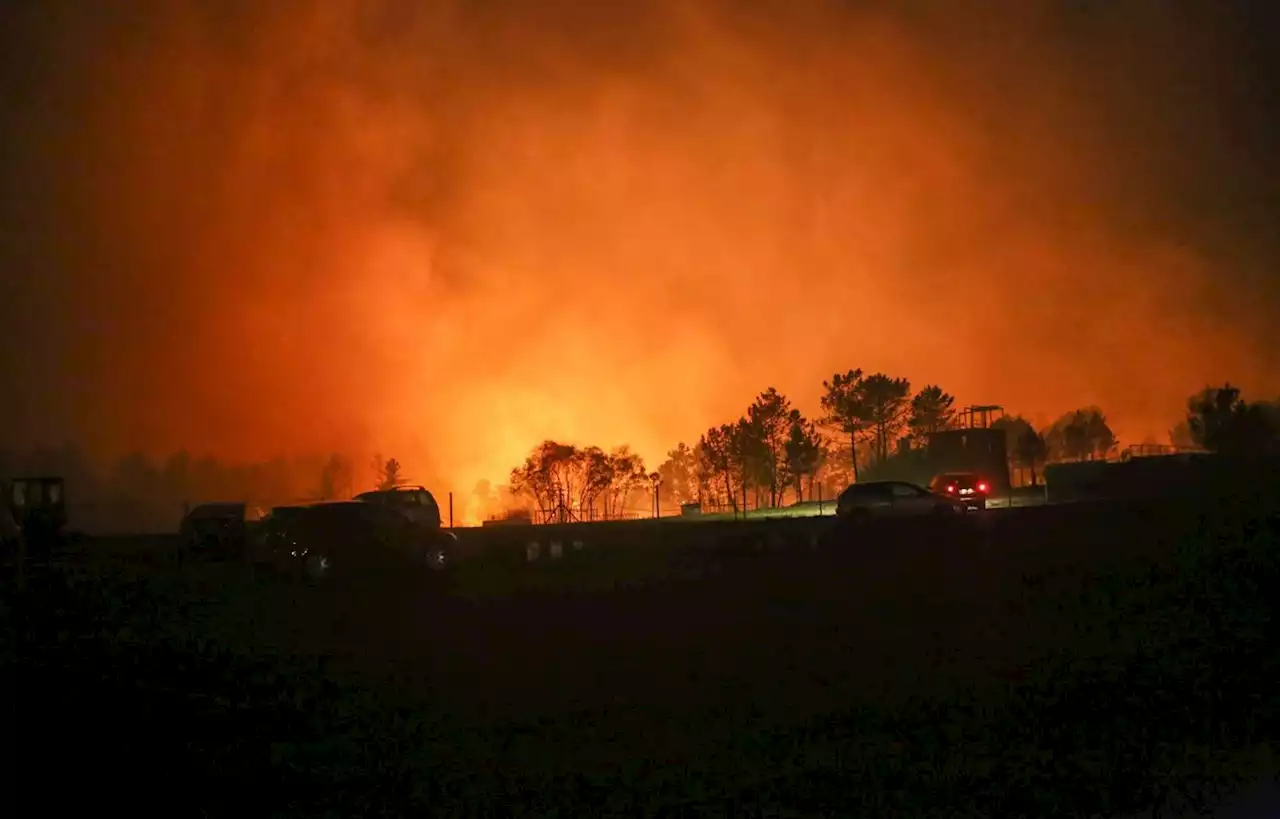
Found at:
<point>448,230</point>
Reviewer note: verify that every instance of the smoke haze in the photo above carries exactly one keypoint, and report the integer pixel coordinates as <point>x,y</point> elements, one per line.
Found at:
<point>448,230</point>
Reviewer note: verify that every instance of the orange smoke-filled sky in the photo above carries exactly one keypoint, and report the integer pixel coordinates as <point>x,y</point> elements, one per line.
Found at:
<point>448,230</point>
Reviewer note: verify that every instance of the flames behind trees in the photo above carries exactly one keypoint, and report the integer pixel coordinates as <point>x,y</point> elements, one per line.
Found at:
<point>449,230</point>
<point>732,465</point>
<point>566,483</point>
<point>773,455</point>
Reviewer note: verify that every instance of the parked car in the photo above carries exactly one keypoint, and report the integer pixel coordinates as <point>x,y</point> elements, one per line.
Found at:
<point>876,500</point>
<point>350,538</point>
<point>219,529</point>
<point>969,487</point>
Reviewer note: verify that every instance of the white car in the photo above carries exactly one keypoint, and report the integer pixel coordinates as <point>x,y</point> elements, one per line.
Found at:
<point>878,500</point>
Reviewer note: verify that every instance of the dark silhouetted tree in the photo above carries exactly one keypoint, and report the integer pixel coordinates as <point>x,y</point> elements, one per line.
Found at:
<point>754,459</point>
<point>595,477</point>
<point>886,405</point>
<point>1029,451</point>
<point>390,476</point>
<point>1269,416</point>
<point>680,475</point>
<point>705,480</point>
<point>836,469</point>
<point>931,411</point>
<point>627,476</point>
<point>1221,421</point>
<point>1101,440</point>
<point>1080,435</point>
<point>1012,425</point>
<point>804,453</point>
<point>532,481</point>
<point>1075,438</point>
<point>844,413</point>
<point>1025,446</point>
<point>566,482</point>
<point>720,462</point>
<point>547,478</point>
<point>1211,413</point>
<point>655,485</point>
<point>768,424</point>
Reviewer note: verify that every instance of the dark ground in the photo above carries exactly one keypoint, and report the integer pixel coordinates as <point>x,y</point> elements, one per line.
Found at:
<point>1073,661</point>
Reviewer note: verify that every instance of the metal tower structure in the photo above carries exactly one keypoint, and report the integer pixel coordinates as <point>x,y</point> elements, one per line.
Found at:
<point>979,416</point>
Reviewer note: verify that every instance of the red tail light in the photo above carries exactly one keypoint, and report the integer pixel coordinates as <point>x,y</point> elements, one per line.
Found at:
<point>982,487</point>
<point>951,487</point>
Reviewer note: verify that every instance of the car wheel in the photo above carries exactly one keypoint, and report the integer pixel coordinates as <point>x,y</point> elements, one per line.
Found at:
<point>437,558</point>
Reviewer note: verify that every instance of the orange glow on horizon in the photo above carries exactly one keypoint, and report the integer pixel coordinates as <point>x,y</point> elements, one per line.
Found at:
<point>453,235</point>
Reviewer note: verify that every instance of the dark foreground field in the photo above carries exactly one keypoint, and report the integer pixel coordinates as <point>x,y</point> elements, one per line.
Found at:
<point>1072,661</point>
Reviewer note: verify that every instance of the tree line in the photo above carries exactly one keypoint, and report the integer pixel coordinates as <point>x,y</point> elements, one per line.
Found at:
<point>1220,420</point>
<point>870,426</point>
<point>567,483</point>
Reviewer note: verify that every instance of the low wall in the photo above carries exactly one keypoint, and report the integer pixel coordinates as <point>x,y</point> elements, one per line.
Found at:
<point>678,538</point>
<point>1159,477</point>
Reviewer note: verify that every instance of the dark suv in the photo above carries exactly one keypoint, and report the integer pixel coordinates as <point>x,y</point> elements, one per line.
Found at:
<point>966,487</point>
<point>351,538</point>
